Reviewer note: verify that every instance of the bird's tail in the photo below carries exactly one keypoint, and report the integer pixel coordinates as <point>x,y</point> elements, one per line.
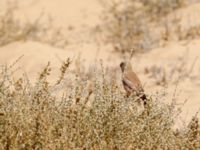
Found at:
<point>143,97</point>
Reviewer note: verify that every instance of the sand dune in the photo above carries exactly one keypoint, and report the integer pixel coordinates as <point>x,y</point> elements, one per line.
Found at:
<point>84,15</point>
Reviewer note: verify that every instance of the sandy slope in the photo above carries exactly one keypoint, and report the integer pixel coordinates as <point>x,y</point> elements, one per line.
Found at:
<point>185,85</point>
<point>35,57</point>
<point>83,15</point>
<point>64,12</point>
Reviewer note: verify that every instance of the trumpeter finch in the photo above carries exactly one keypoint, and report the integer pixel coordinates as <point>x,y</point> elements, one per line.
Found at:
<point>131,82</point>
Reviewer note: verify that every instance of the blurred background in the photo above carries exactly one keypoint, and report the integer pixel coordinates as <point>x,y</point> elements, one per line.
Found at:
<point>159,37</point>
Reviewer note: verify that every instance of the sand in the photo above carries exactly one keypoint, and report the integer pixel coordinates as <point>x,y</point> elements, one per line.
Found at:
<point>82,17</point>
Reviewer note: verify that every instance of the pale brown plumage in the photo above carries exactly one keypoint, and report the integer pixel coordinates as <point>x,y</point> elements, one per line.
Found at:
<point>130,81</point>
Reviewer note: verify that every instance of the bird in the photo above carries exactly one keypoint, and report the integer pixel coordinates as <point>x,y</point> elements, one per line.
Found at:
<point>131,82</point>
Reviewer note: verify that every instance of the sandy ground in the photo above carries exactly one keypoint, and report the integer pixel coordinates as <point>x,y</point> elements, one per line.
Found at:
<point>83,16</point>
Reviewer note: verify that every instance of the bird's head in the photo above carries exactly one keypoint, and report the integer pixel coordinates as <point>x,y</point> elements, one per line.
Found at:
<point>122,66</point>
<point>125,66</point>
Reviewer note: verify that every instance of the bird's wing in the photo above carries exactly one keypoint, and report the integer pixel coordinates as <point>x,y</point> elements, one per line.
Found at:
<point>132,77</point>
<point>128,85</point>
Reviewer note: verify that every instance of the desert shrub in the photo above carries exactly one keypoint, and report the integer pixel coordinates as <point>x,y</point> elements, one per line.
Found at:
<point>12,30</point>
<point>141,25</point>
<point>102,117</point>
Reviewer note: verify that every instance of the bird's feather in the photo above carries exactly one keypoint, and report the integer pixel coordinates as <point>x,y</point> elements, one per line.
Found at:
<point>132,79</point>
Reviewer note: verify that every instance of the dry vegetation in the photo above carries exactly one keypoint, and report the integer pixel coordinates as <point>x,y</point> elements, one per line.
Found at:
<point>98,118</point>
<point>12,30</point>
<point>89,117</point>
<point>145,24</point>
<point>178,70</point>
